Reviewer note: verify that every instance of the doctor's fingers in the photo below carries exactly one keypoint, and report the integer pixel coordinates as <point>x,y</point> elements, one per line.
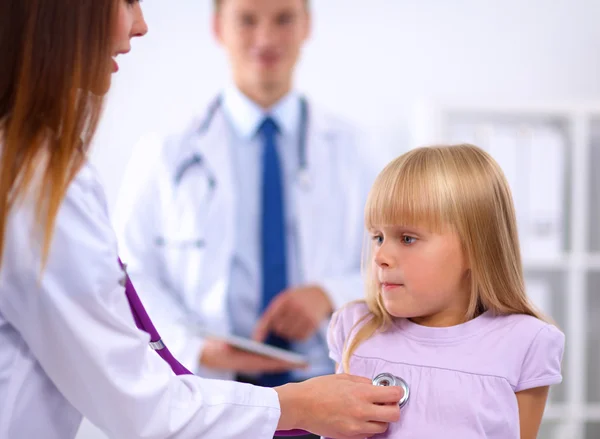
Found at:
<point>355,378</point>
<point>271,366</point>
<point>221,356</point>
<point>372,403</point>
<point>249,362</point>
<point>385,395</point>
<point>299,330</point>
<point>254,363</point>
<point>375,394</point>
<point>267,320</point>
<point>370,429</point>
<point>281,317</point>
<point>364,427</point>
<point>292,325</point>
<point>383,413</point>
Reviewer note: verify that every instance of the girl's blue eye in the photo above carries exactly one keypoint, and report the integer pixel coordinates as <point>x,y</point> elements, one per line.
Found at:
<point>408,239</point>
<point>378,239</point>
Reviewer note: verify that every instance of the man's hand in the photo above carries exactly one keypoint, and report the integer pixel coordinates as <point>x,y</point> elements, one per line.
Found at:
<point>295,314</point>
<point>222,356</point>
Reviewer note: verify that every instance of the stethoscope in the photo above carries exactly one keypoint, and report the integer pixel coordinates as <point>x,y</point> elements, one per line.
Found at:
<point>144,323</point>
<point>387,379</point>
<point>197,159</point>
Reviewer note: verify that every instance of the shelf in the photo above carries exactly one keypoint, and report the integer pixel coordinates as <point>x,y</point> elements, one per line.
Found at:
<point>550,263</point>
<point>556,412</point>
<point>560,412</point>
<point>593,261</point>
<point>545,109</point>
<point>589,261</point>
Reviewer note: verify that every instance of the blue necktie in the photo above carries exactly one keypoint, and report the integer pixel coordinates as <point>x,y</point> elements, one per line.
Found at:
<point>273,236</point>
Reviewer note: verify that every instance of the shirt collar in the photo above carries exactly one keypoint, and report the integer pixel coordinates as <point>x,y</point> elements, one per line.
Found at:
<point>246,116</point>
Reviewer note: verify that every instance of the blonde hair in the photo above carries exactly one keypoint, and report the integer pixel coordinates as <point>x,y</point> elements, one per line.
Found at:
<point>461,186</point>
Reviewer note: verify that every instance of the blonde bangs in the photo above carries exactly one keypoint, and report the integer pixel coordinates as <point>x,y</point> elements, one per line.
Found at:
<point>410,192</point>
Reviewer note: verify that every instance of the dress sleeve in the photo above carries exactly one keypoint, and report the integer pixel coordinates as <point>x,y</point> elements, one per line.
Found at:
<point>542,364</point>
<point>342,326</point>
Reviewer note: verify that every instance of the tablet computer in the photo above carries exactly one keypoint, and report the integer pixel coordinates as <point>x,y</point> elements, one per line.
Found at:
<point>253,346</point>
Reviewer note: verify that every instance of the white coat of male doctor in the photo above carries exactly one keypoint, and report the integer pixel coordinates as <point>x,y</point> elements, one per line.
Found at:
<point>189,227</point>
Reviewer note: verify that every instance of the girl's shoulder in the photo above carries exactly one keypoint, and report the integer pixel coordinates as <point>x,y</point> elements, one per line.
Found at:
<point>528,329</point>
<point>525,350</point>
<point>345,322</point>
<point>541,346</point>
<point>350,315</point>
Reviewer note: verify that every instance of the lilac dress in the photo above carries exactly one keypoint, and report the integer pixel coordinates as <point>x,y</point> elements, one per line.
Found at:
<point>462,378</point>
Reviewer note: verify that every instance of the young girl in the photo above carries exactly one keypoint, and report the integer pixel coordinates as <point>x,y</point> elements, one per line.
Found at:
<point>445,308</point>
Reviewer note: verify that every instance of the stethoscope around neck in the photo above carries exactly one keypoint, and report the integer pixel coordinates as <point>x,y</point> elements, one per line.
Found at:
<point>198,160</point>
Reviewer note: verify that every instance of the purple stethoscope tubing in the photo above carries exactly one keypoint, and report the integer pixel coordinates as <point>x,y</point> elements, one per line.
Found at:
<point>143,322</point>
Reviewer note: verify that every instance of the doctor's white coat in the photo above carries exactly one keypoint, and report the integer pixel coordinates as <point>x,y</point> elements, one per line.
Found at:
<point>184,282</point>
<point>69,346</point>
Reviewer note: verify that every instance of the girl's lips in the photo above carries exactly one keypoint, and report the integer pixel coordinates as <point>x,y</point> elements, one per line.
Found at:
<point>390,286</point>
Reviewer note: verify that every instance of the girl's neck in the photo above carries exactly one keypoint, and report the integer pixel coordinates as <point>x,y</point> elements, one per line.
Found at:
<point>442,319</point>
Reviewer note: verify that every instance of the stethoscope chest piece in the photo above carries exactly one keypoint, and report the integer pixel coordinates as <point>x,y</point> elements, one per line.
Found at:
<point>387,379</point>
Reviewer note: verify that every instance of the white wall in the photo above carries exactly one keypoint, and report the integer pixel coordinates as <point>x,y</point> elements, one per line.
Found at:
<point>368,59</point>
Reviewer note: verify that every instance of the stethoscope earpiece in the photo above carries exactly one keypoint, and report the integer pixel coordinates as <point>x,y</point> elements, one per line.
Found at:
<point>387,379</point>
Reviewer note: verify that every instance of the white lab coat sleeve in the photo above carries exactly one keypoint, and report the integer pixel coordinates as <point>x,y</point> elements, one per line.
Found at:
<point>76,321</point>
<point>358,176</point>
<point>143,197</point>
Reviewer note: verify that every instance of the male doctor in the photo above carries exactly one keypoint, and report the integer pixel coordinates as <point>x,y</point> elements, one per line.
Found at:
<point>251,221</point>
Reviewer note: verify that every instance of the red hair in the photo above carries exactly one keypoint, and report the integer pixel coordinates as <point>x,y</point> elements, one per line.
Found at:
<point>54,55</point>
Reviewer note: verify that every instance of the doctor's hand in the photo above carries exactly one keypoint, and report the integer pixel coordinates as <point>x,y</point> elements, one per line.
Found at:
<point>219,355</point>
<point>340,406</point>
<point>295,314</point>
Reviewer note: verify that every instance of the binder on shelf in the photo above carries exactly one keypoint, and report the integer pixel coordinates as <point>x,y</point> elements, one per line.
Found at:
<point>505,147</point>
<point>594,223</point>
<point>545,147</point>
<point>533,159</point>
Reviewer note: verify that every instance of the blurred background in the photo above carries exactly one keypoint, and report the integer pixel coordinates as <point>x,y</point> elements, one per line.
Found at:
<point>521,79</point>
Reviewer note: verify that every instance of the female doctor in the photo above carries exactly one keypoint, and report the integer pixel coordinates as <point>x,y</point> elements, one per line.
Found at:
<point>69,346</point>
